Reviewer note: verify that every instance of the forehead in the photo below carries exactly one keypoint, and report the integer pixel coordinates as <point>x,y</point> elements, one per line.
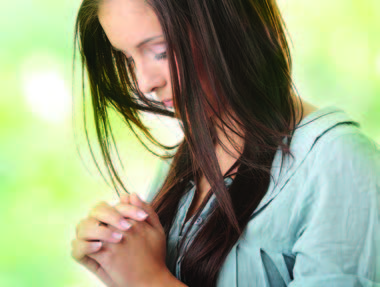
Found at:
<point>128,22</point>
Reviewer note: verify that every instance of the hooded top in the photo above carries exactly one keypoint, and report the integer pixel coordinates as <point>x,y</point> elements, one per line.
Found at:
<point>319,222</point>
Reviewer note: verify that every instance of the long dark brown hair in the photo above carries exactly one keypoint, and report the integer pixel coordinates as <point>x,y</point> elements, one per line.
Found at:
<point>243,47</point>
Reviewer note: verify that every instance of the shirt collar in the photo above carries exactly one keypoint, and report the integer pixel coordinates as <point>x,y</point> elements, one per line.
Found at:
<point>306,134</point>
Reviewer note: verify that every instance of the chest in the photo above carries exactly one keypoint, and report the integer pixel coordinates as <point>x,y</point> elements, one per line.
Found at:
<point>268,239</point>
<point>199,196</point>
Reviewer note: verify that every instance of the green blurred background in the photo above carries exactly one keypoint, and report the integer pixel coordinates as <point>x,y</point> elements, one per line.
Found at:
<point>47,179</point>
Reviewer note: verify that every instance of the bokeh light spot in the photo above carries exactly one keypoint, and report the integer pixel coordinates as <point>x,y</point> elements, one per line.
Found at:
<point>45,89</point>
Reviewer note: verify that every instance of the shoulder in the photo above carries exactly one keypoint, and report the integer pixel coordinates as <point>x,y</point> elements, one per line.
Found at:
<point>345,151</point>
<point>334,163</point>
<point>330,140</point>
<point>340,179</point>
<point>345,140</point>
<point>339,211</point>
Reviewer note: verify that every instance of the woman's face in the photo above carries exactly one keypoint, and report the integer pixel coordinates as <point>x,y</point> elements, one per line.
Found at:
<point>133,28</point>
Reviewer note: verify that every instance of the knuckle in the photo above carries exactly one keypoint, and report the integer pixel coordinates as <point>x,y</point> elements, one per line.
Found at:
<point>124,209</point>
<point>98,206</point>
<point>81,231</point>
<point>89,230</point>
<point>79,227</point>
<point>110,215</point>
<point>81,222</point>
<point>106,234</point>
<point>74,255</point>
<point>102,203</point>
<point>113,202</point>
<point>102,214</point>
<point>123,206</point>
<point>99,233</point>
<point>74,251</point>
<point>93,212</point>
<point>95,222</point>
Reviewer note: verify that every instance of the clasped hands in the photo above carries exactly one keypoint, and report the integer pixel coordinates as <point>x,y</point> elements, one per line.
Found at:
<point>120,247</point>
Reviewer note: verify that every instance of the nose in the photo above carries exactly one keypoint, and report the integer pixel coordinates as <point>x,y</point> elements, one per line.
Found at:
<point>149,79</point>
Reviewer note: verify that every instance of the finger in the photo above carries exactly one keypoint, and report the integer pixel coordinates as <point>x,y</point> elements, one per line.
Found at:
<point>114,202</point>
<point>92,265</point>
<point>81,248</point>
<point>91,230</point>
<point>103,212</point>
<point>131,211</point>
<point>88,262</point>
<point>124,198</point>
<point>153,218</point>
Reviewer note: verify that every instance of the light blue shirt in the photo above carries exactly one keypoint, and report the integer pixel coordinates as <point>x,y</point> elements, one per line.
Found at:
<point>318,226</point>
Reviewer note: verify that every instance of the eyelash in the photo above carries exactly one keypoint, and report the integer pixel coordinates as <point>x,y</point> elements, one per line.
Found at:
<point>161,56</point>
<point>158,57</point>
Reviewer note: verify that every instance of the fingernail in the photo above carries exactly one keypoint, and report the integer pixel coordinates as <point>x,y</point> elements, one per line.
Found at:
<point>125,224</point>
<point>142,214</point>
<point>96,244</point>
<point>117,235</point>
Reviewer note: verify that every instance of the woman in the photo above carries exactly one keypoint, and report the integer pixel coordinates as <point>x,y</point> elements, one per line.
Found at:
<point>264,190</point>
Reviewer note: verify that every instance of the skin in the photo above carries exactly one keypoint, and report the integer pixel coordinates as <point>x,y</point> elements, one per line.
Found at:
<point>118,19</point>
<point>226,160</point>
<point>110,260</point>
<point>154,76</point>
<point>122,261</point>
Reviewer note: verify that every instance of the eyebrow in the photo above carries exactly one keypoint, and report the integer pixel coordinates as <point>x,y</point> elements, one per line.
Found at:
<point>141,43</point>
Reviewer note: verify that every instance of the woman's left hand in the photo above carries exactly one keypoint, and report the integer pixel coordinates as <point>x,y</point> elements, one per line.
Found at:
<point>139,258</point>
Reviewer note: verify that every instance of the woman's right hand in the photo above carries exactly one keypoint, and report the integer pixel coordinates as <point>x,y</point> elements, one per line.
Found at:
<point>102,225</point>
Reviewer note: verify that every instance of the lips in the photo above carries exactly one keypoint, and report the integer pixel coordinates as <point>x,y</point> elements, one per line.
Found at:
<point>168,103</point>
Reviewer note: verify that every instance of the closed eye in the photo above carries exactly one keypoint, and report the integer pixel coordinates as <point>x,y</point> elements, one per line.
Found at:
<point>158,57</point>
<point>161,56</point>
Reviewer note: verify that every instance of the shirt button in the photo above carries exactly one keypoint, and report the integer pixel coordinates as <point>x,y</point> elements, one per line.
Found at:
<point>198,221</point>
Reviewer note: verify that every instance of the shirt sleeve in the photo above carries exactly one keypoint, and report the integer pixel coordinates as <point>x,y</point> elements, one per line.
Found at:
<point>339,243</point>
